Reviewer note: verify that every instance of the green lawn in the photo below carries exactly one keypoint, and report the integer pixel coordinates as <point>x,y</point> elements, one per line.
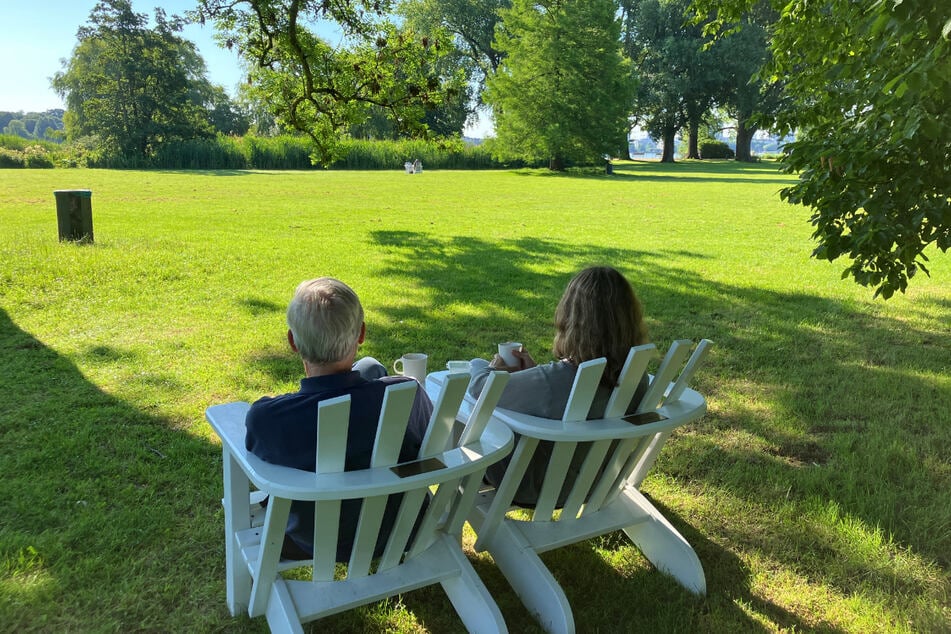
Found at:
<point>815,492</point>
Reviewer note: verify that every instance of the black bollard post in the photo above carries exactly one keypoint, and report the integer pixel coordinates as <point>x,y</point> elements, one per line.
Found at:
<point>74,214</point>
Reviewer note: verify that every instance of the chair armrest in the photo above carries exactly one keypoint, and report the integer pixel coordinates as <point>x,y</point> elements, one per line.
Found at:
<point>228,421</point>
<point>690,407</point>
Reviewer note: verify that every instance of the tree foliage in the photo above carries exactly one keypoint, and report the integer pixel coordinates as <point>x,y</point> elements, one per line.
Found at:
<point>563,91</point>
<point>46,125</point>
<point>749,97</point>
<point>471,22</point>
<point>869,85</point>
<point>680,77</point>
<point>131,86</point>
<point>322,90</point>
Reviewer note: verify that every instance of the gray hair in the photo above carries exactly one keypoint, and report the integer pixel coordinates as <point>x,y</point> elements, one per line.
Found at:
<point>325,317</point>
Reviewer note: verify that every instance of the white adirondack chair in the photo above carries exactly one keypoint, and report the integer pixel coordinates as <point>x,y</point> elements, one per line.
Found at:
<point>605,496</point>
<point>434,554</point>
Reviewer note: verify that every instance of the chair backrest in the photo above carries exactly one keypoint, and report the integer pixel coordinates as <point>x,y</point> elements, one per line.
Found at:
<point>450,470</point>
<point>618,453</point>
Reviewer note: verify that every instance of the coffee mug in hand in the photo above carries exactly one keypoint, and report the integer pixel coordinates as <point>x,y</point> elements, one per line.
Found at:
<point>505,351</point>
<point>412,364</point>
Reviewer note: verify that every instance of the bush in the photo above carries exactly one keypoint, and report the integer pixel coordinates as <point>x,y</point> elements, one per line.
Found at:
<point>11,158</point>
<point>19,152</point>
<point>36,156</point>
<point>715,150</point>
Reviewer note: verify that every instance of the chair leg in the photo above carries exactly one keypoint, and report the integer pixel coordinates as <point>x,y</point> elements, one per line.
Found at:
<point>663,545</point>
<point>531,580</point>
<point>237,518</point>
<point>281,616</point>
<point>470,597</point>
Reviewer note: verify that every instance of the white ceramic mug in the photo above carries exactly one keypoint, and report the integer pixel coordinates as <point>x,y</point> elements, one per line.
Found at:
<point>411,364</point>
<point>456,367</point>
<point>505,351</point>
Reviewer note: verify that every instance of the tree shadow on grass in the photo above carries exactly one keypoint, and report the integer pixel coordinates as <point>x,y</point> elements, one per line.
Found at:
<point>808,381</point>
<point>603,599</point>
<point>258,306</point>
<point>729,587</point>
<point>100,499</point>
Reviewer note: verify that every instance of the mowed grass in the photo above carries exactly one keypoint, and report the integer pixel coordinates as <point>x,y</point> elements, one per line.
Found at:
<point>815,491</point>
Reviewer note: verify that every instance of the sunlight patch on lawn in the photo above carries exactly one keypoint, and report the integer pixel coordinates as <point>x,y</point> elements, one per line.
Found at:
<point>25,577</point>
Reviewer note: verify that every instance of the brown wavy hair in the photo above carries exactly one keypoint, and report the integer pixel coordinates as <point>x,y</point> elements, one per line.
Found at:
<point>599,316</point>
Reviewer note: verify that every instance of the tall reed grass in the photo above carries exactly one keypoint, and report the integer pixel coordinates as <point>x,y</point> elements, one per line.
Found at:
<point>295,153</point>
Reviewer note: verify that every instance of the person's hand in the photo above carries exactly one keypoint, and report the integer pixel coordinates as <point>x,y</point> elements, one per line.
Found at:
<point>525,361</point>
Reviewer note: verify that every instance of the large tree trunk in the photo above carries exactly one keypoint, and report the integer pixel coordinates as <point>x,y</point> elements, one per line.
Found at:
<point>744,137</point>
<point>668,155</point>
<point>556,164</point>
<point>693,145</point>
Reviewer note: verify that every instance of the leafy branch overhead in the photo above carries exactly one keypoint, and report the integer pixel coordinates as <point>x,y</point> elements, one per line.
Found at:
<point>869,89</point>
<point>320,89</point>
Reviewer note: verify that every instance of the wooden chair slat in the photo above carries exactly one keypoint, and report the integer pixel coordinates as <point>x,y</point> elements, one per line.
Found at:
<point>394,416</point>
<point>326,533</point>
<point>432,519</point>
<point>608,476</point>
<point>634,368</point>
<point>586,478</point>
<point>698,356</point>
<point>403,528</point>
<point>333,416</point>
<point>364,541</point>
<point>502,499</point>
<point>554,479</point>
<point>463,504</point>
<point>676,354</point>
<point>583,390</point>
<point>485,404</point>
<point>647,460</point>
<point>269,554</point>
<point>445,409</point>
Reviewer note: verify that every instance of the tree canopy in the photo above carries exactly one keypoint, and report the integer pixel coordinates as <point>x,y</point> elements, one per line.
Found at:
<point>323,90</point>
<point>33,125</point>
<point>471,22</point>
<point>563,91</point>
<point>132,86</point>
<point>679,77</point>
<point>868,88</point>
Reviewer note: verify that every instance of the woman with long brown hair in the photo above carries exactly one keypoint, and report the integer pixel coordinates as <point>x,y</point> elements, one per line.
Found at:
<point>598,316</point>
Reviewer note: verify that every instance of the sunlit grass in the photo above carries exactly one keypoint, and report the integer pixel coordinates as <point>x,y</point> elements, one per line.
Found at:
<point>814,492</point>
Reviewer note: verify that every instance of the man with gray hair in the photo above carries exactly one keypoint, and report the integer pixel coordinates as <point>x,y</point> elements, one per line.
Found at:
<point>325,327</point>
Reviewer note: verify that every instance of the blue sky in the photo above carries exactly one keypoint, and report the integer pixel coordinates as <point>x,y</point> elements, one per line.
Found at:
<point>38,34</point>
